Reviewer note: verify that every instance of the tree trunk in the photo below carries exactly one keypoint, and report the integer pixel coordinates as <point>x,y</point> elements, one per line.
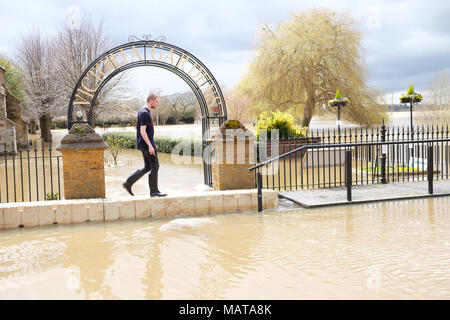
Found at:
<point>94,117</point>
<point>45,123</point>
<point>309,111</point>
<point>33,126</point>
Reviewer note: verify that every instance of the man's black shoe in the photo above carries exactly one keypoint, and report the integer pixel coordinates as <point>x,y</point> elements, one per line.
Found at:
<point>128,188</point>
<point>158,194</point>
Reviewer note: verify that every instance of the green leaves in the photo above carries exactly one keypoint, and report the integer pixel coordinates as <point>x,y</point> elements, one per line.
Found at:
<point>127,140</point>
<point>411,96</point>
<point>52,196</point>
<point>14,78</point>
<point>284,122</point>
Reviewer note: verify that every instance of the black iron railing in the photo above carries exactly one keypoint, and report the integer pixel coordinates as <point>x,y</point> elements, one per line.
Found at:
<point>370,134</point>
<point>348,135</point>
<point>324,165</point>
<point>31,174</point>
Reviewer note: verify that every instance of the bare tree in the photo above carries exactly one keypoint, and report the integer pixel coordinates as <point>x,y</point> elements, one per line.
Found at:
<point>35,55</point>
<point>239,106</point>
<point>163,110</point>
<point>77,48</point>
<point>182,105</point>
<point>436,109</point>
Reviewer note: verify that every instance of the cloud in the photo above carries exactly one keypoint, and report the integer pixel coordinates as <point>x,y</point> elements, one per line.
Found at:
<point>404,41</point>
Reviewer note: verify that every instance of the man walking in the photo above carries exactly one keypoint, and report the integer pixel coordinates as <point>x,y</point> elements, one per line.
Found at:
<point>147,145</point>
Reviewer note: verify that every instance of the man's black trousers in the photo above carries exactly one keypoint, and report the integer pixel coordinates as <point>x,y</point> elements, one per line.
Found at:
<point>151,164</point>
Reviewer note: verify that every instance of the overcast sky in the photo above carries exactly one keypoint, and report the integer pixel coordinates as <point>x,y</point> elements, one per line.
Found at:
<point>404,41</point>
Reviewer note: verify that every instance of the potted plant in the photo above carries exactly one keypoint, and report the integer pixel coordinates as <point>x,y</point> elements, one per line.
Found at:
<point>411,96</point>
<point>338,101</point>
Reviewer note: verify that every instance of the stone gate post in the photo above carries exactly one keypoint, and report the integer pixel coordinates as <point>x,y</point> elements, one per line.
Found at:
<point>83,163</point>
<point>233,154</point>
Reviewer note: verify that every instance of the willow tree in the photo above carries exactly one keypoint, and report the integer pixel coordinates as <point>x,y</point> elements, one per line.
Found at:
<point>300,63</point>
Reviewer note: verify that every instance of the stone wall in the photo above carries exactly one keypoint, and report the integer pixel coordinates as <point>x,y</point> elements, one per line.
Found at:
<point>14,113</point>
<point>7,127</point>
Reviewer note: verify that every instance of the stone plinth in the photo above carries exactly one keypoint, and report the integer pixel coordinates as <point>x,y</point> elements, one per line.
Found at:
<point>83,163</point>
<point>234,154</point>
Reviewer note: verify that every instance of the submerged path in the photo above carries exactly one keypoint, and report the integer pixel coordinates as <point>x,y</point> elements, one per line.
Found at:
<point>367,193</point>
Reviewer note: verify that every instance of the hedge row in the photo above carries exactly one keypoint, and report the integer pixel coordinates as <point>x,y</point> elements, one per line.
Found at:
<point>62,123</point>
<point>165,144</point>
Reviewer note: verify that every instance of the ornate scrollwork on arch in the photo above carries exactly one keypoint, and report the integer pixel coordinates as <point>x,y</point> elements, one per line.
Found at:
<point>146,37</point>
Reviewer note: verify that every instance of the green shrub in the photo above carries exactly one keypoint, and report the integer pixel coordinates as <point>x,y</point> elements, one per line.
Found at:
<point>165,144</point>
<point>14,78</point>
<point>284,122</point>
<point>127,139</point>
<point>59,124</point>
<point>116,145</point>
<point>118,122</point>
<point>52,196</point>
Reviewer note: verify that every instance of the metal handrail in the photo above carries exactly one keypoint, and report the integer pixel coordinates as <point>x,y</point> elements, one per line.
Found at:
<point>340,145</point>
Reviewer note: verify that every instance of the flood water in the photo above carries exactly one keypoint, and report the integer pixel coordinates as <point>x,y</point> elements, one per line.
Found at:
<point>392,250</point>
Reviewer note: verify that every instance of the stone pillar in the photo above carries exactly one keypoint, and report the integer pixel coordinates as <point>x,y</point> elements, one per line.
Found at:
<point>83,163</point>
<point>233,155</point>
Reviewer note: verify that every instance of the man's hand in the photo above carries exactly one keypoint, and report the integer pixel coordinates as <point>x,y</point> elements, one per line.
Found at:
<point>151,150</point>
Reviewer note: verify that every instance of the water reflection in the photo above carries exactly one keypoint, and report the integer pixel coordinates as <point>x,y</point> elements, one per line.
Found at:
<point>396,249</point>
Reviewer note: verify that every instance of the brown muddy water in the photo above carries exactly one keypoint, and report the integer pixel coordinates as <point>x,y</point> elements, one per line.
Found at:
<point>390,250</point>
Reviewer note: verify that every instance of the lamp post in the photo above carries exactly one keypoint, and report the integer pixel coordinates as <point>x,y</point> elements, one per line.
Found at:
<point>411,114</point>
<point>338,102</point>
<point>411,97</point>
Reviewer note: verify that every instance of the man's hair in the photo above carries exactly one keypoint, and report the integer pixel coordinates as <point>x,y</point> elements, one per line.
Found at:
<point>152,96</point>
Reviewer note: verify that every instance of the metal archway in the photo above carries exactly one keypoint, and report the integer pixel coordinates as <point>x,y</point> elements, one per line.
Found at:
<point>176,60</point>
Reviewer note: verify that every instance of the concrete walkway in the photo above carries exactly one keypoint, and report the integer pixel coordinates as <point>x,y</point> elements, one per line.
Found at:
<point>367,193</point>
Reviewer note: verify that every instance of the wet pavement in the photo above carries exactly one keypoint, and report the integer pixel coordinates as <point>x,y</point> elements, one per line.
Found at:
<point>173,177</point>
<point>367,193</point>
